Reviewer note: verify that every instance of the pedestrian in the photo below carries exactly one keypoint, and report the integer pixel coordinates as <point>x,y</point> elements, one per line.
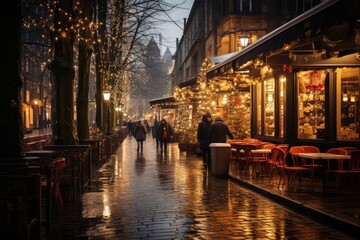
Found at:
<point>219,130</point>
<point>203,138</point>
<point>165,134</point>
<point>156,133</point>
<point>130,127</point>
<point>147,125</point>
<point>140,134</point>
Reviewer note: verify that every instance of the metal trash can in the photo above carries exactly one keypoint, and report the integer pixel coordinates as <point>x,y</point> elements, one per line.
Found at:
<point>220,158</point>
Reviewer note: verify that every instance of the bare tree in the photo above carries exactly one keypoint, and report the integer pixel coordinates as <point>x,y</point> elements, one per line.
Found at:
<point>127,25</point>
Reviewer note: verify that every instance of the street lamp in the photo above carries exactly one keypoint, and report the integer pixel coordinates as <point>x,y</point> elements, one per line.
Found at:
<point>118,110</point>
<point>107,95</point>
<point>36,104</point>
<point>244,39</point>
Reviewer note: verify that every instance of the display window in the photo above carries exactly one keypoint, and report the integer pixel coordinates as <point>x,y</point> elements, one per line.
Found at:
<point>269,110</point>
<point>311,104</point>
<point>347,103</point>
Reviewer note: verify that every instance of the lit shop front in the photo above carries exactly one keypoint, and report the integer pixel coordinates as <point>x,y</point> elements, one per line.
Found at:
<point>305,81</point>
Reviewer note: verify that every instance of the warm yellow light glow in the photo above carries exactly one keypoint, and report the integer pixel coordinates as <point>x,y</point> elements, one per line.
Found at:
<point>345,98</point>
<point>224,100</point>
<point>106,94</point>
<point>244,40</point>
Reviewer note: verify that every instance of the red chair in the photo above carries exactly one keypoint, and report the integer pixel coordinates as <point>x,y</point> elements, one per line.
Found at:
<point>249,158</point>
<point>294,172</point>
<point>310,149</point>
<point>312,163</point>
<point>284,147</point>
<point>349,149</point>
<point>355,165</point>
<point>337,168</point>
<point>58,166</point>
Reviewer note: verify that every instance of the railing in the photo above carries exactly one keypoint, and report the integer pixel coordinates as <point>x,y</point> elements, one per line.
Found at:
<point>77,166</point>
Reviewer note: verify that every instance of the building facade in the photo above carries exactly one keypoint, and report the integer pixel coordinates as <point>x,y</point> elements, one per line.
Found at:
<point>305,78</point>
<point>216,30</point>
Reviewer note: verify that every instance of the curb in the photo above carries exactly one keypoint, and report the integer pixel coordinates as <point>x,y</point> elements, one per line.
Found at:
<point>322,217</point>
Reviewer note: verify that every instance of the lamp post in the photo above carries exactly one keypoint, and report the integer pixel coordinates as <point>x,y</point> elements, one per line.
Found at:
<point>107,95</point>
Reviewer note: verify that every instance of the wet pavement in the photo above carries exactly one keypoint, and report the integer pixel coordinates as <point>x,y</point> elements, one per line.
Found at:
<point>153,195</point>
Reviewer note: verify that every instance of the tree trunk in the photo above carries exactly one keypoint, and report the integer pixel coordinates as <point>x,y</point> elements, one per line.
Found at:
<point>101,16</point>
<point>11,126</point>
<point>82,102</point>
<point>63,71</point>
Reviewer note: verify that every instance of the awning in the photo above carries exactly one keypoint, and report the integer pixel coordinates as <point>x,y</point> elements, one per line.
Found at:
<point>306,25</point>
<point>222,58</point>
<point>187,83</point>
<point>164,100</point>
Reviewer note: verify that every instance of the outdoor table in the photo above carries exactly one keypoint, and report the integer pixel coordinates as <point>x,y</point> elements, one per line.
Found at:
<point>40,152</point>
<point>260,157</point>
<point>263,151</point>
<point>322,156</point>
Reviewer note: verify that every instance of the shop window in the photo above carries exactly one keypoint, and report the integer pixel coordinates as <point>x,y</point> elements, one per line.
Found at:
<point>311,104</point>
<point>347,99</point>
<point>225,44</point>
<point>269,111</point>
<point>258,108</point>
<point>281,104</point>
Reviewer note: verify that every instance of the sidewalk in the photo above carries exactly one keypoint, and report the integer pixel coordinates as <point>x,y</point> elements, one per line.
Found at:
<point>340,210</point>
<point>126,174</point>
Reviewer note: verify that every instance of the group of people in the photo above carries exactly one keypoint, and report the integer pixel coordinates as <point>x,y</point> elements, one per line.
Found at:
<point>210,131</point>
<point>161,131</point>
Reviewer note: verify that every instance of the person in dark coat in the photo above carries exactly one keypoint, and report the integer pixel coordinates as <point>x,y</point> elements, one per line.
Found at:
<point>156,133</point>
<point>219,130</point>
<point>203,138</point>
<point>140,134</point>
<point>165,134</point>
<point>130,127</point>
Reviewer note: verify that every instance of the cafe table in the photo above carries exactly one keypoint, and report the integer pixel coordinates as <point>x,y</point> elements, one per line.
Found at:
<point>260,158</point>
<point>40,152</point>
<point>322,157</point>
<point>262,151</point>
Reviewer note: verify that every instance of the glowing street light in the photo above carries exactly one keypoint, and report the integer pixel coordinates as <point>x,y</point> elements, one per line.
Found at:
<point>107,94</point>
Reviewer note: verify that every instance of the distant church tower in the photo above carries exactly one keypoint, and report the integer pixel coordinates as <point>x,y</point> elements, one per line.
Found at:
<point>167,59</point>
<point>157,82</point>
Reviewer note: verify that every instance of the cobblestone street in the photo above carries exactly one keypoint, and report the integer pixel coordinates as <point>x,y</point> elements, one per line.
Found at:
<point>169,196</point>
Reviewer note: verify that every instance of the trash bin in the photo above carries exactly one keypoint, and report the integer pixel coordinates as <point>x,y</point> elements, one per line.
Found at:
<point>220,158</point>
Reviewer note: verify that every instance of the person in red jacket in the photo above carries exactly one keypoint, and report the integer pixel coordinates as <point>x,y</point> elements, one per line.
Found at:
<point>165,134</point>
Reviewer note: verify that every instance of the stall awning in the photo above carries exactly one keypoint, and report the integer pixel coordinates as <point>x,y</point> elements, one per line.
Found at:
<point>164,100</point>
<point>305,26</point>
<point>187,83</point>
